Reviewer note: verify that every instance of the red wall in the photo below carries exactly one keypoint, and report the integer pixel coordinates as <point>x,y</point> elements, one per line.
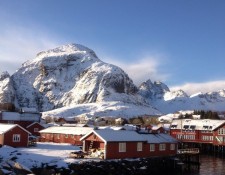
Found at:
<point>72,139</point>
<point>131,151</point>
<point>198,135</point>
<point>35,125</point>
<point>216,134</point>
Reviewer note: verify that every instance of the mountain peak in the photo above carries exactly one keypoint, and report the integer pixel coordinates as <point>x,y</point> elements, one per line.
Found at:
<point>67,50</point>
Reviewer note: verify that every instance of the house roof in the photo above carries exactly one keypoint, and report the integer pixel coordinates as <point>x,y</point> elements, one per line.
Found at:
<point>6,127</point>
<point>33,124</point>
<point>158,138</point>
<point>108,135</point>
<point>204,124</point>
<point>16,116</point>
<point>67,130</point>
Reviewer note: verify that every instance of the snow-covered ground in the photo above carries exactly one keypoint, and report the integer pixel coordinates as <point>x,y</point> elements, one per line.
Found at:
<point>112,109</point>
<point>46,153</point>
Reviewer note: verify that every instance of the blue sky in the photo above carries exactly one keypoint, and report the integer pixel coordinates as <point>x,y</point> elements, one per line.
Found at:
<point>178,42</point>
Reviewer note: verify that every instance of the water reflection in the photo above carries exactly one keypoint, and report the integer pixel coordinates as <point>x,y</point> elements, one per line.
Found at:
<point>210,165</point>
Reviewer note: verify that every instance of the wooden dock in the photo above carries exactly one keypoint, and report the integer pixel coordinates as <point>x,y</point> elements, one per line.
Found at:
<point>189,158</point>
<point>188,151</point>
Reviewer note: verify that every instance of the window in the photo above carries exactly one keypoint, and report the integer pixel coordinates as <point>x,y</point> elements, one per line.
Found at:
<point>139,146</point>
<point>36,129</point>
<point>152,147</point>
<point>162,147</point>
<point>221,131</point>
<point>172,146</point>
<point>58,136</point>
<point>66,136</point>
<point>71,135</point>
<point>122,147</point>
<point>16,137</point>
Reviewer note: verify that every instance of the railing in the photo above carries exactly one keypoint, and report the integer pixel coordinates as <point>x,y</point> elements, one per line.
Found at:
<point>188,151</point>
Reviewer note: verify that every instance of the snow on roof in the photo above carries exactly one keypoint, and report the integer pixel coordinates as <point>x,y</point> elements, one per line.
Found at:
<point>10,116</point>
<point>159,138</point>
<point>33,124</point>
<point>199,124</point>
<point>151,138</point>
<point>130,127</point>
<point>109,135</point>
<point>6,127</point>
<point>75,125</point>
<point>128,136</point>
<point>24,109</point>
<point>67,130</point>
<point>16,116</point>
<point>167,138</point>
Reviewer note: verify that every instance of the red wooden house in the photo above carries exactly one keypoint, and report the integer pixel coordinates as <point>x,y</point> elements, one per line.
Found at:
<point>64,134</point>
<point>219,135</point>
<point>203,131</point>
<point>119,144</point>
<point>13,135</point>
<point>34,128</point>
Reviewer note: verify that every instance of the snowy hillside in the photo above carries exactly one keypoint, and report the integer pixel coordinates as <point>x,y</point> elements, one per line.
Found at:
<point>102,109</point>
<point>159,95</point>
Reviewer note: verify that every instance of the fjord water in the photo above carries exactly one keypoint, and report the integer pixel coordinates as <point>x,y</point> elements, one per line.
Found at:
<point>210,165</point>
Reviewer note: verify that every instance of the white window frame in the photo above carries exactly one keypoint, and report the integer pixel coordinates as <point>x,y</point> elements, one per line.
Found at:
<point>172,146</point>
<point>139,146</point>
<point>16,137</point>
<point>152,147</point>
<point>162,147</point>
<point>122,147</point>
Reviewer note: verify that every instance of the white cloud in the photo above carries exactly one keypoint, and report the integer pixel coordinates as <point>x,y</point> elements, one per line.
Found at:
<point>192,88</point>
<point>18,44</point>
<point>142,69</point>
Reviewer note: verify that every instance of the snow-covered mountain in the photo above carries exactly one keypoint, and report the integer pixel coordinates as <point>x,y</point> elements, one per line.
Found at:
<point>160,96</point>
<point>71,81</point>
<point>73,75</point>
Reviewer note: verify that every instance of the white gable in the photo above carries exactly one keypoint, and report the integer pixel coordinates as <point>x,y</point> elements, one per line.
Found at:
<point>6,127</point>
<point>67,130</point>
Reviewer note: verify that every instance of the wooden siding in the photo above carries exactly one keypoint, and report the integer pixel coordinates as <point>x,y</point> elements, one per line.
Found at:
<point>61,138</point>
<point>31,129</point>
<point>131,150</point>
<point>219,136</point>
<point>8,137</point>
